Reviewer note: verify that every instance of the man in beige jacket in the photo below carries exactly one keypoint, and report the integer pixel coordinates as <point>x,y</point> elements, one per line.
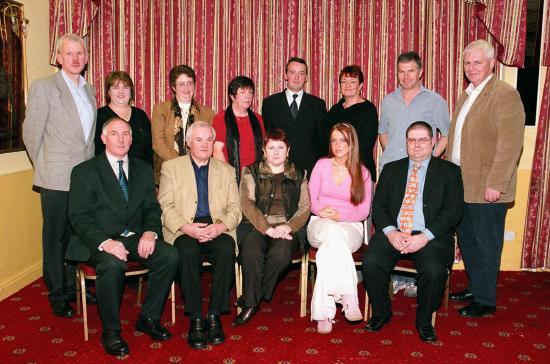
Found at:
<point>201,211</point>
<point>485,140</point>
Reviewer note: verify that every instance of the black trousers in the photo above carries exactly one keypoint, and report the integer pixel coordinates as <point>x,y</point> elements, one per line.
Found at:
<point>481,237</point>
<point>110,271</point>
<point>264,261</point>
<point>56,230</point>
<point>220,253</point>
<point>431,263</point>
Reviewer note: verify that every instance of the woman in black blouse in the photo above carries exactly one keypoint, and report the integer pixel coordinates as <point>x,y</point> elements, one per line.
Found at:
<point>119,93</point>
<point>357,111</point>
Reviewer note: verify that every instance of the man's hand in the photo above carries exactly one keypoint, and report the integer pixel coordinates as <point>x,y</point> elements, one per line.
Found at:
<point>414,243</point>
<point>491,195</point>
<point>194,230</point>
<point>212,231</point>
<point>146,245</point>
<point>116,248</point>
<point>396,240</point>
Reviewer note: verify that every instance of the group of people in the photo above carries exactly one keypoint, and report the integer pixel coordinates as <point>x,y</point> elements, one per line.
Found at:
<point>190,185</point>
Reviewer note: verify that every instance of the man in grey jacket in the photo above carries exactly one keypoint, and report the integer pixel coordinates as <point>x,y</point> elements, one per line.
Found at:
<point>58,134</point>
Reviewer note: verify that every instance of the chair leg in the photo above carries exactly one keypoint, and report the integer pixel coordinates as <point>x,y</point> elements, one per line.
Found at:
<point>367,306</point>
<point>173,303</point>
<point>84,305</point>
<point>434,316</point>
<point>140,287</point>
<point>78,290</point>
<point>238,283</point>
<point>303,285</point>
<point>446,294</point>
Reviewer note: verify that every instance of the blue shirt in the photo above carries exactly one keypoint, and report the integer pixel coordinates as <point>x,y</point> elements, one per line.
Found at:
<point>201,179</point>
<point>396,116</point>
<point>418,217</point>
<point>82,102</point>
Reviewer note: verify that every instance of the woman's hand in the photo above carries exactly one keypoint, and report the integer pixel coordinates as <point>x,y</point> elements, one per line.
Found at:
<point>329,212</point>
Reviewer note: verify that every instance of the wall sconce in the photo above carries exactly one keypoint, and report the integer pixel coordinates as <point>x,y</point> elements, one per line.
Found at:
<point>12,18</point>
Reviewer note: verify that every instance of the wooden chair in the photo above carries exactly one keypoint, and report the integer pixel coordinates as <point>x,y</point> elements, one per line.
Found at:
<point>84,271</point>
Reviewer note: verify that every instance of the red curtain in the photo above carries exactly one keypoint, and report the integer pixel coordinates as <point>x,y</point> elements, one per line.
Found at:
<point>536,254</point>
<point>223,38</point>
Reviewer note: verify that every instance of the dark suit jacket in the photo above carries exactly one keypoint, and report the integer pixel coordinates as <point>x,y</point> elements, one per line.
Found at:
<point>98,210</point>
<point>305,134</point>
<point>442,198</point>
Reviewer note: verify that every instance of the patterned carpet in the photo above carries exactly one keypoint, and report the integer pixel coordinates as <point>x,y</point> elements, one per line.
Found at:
<point>519,332</point>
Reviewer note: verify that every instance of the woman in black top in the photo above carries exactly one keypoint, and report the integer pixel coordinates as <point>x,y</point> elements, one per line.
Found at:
<point>119,93</point>
<point>357,111</point>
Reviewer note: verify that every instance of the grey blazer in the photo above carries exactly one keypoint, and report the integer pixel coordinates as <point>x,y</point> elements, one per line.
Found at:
<point>52,132</point>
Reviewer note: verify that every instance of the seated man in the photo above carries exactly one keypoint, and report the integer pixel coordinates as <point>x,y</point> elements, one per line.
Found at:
<point>115,219</point>
<point>201,211</point>
<point>416,207</point>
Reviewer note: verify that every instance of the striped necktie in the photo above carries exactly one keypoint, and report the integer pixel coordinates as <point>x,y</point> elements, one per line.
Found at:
<point>407,207</point>
<point>122,180</point>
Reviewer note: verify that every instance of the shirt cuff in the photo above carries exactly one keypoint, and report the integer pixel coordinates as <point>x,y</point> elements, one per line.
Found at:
<point>428,234</point>
<point>389,229</point>
<point>100,247</point>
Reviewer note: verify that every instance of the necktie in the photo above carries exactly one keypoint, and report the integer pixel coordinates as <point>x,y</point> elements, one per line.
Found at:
<point>294,107</point>
<point>407,207</point>
<point>122,179</point>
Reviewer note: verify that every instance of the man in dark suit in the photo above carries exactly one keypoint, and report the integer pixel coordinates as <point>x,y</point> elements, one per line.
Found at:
<point>115,219</point>
<point>58,133</point>
<point>416,207</point>
<point>300,115</point>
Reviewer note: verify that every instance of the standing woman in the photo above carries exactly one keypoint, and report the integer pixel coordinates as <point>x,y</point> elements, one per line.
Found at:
<point>275,203</point>
<point>172,118</point>
<point>239,130</point>
<point>120,93</point>
<point>357,111</point>
<point>340,192</point>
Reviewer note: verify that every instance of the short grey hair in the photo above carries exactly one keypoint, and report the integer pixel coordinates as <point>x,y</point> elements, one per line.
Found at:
<point>483,46</point>
<point>108,122</point>
<point>72,37</point>
<point>198,124</point>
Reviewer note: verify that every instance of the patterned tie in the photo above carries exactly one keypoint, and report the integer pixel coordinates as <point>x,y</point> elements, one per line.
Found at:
<point>407,207</point>
<point>294,107</point>
<point>122,179</point>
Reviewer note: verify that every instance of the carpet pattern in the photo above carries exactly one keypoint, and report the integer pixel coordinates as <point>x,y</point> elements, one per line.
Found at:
<point>519,332</point>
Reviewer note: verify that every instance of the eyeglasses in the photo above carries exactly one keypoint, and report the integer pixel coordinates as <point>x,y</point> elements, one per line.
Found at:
<point>421,141</point>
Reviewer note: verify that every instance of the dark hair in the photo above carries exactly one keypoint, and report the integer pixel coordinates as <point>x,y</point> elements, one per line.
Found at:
<point>237,83</point>
<point>352,71</point>
<point>179,70</point>
<point>295,59</point>
<point>420,125</point>
<point>353,163</point>
<point>408,57</point>
<point>115,77</point>
<point>277,135</point>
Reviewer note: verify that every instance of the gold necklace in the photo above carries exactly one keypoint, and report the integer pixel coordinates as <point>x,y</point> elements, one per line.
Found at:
<point>339,166</point>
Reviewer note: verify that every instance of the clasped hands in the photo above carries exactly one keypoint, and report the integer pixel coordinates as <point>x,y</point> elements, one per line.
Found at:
<point>146,247</point>
<point>329,212</point>
<point>203,232</point>
<point>280,232</point>
<point>407,244</point>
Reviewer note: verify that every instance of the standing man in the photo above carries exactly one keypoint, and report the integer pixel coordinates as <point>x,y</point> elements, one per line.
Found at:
<point>200,213</point>
<point>58,133</point>
<point>416,207</point>
<point>409,103</point>
<point>300,115</point>
<point>115,215</point>
<point>486,139</point>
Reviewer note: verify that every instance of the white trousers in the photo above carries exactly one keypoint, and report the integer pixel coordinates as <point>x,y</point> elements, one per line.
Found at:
<point>336,274</point>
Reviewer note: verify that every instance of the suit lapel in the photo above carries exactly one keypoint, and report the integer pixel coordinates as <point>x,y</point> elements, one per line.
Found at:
<point>487,90</point>
<point>111,181</point>
<point>134,180</point>
<point>401,180</point>
<point>283,104</point>
<point>68,103</point>
<point>431,175</point>
<point>91,99</point>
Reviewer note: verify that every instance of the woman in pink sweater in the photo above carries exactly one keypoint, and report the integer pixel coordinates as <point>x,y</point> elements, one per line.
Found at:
<point>340,192</point>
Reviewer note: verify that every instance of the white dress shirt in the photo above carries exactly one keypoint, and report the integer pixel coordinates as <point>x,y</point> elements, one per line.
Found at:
<point>289,97</point>
<point>83,105</point>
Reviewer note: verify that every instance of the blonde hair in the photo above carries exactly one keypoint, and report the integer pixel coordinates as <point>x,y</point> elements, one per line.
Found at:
<point>72,37</point>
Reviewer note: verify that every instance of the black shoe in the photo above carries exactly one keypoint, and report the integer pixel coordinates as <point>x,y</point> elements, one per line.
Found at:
<point>214,328</point>
<point>62,308</point>
<point>475,309</point>
<point>245,316</point>
<point>153,328</point>
<point>375,323</point>
<point>91,299</point>
<point>461,296</point>
<point>197,336</point>
<point>426,333</point>
<point>113,343</point>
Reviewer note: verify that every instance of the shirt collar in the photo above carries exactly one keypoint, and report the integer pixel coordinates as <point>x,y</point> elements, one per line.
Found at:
<point>195,165</point>
<point>114,160</point>
<point>471,88</point>
<point>70,83</point>
<point>290,93</point>
<point>423,164</point>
